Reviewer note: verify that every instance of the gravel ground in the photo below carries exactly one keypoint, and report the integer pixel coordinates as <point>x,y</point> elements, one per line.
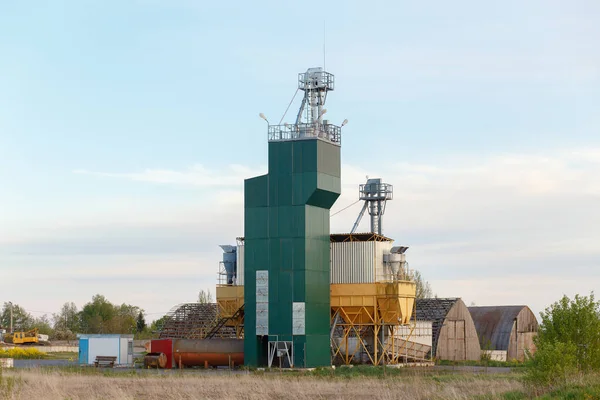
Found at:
<point>42,363</point>
<point>479,370</point>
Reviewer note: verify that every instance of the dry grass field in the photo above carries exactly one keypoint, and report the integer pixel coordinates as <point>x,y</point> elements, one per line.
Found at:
<point>56,384</point>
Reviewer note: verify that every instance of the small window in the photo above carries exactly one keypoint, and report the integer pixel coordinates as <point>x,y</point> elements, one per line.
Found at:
<point>130,348</point>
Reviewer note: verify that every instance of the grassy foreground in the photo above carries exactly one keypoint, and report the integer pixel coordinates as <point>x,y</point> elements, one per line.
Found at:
<point>92,384</point>
<point>62,355</point>
<point>89,383</point>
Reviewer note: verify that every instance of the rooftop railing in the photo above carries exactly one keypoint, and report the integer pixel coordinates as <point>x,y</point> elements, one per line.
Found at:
<point>325,131</point>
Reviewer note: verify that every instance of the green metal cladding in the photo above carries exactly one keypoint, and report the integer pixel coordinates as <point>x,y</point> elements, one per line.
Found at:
<point>286,229</point>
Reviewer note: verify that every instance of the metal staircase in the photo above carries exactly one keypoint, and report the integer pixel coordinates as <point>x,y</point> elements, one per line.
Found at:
<point>221,324</point>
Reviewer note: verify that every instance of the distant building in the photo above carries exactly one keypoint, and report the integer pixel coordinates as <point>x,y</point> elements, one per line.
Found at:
<point>453,333</point>
<point>506,331</point>
<point>111,345</point>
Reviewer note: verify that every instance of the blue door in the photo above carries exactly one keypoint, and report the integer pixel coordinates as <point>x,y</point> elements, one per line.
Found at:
<point>83,351</point>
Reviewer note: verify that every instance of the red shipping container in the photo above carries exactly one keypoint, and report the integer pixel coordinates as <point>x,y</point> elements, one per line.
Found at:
<point>163,346</point>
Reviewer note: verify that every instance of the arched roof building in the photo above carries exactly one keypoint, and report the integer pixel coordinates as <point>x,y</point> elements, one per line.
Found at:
<point>454,335</point>
<point>506,328</point>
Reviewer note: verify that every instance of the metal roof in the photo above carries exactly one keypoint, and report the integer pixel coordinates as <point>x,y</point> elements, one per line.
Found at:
<point>434,310</point>
<point>494,325</point>
<point>351,237</point>
<point>194,321</point>
<point>104,335</point>
<point>359,237</point>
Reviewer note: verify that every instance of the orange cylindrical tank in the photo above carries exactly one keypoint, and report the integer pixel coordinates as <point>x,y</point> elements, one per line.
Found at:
<point>156,360</point>
<point>215,352</point>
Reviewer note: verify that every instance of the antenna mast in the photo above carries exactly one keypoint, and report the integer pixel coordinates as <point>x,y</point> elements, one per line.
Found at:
<point>324,25</point>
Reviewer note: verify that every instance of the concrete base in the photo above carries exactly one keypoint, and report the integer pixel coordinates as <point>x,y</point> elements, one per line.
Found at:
<point>286,369</point>
<point>494,355</point>
<point>415,364</point>
<point>295,369</point>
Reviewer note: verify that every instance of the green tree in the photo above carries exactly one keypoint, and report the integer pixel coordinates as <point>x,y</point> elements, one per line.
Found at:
<point>158,324</point>
<point>568,342</point>
<point>576,322</point>
<point>101,316</point>
<point>22,320</point>
<point>96,315</point>
<point>141,322</point>
<point>125,319</point>
<point>205,297</point>
<point>423,287</point>
<point>67,320</point>
<point>43,325</point>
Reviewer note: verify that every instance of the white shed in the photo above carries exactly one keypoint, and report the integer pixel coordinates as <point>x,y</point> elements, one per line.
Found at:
<point>111,345</point>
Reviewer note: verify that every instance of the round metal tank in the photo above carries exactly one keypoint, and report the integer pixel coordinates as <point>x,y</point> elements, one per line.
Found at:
<point>155,360</point>
<point>211,352</point>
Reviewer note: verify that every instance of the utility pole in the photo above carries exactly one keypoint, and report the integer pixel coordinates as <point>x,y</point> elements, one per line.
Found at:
<point>11,316</point>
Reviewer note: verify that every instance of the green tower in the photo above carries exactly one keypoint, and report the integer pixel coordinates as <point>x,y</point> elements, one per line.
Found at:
<point>286,229</point>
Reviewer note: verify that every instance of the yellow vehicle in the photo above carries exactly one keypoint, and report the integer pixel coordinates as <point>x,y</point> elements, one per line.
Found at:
<point>29,337</point>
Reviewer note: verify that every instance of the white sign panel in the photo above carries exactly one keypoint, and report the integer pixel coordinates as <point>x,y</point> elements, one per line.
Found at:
<point>262,319</point>
<point>262,286</point>
<point>262,303</point>
<point>262,279</point>
<point>298,318</point>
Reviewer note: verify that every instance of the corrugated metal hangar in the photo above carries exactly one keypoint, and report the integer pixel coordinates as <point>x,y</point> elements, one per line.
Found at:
<point>509,329</point>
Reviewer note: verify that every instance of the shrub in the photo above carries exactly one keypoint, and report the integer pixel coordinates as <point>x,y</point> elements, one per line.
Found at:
<point>568,343</point>
<point>553,365</point>
<point>576,322</point>
<point>20,353</point>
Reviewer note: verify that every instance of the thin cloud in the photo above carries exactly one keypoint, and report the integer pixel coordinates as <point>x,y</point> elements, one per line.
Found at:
<point>196,175</point>
<point>475,225</point>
